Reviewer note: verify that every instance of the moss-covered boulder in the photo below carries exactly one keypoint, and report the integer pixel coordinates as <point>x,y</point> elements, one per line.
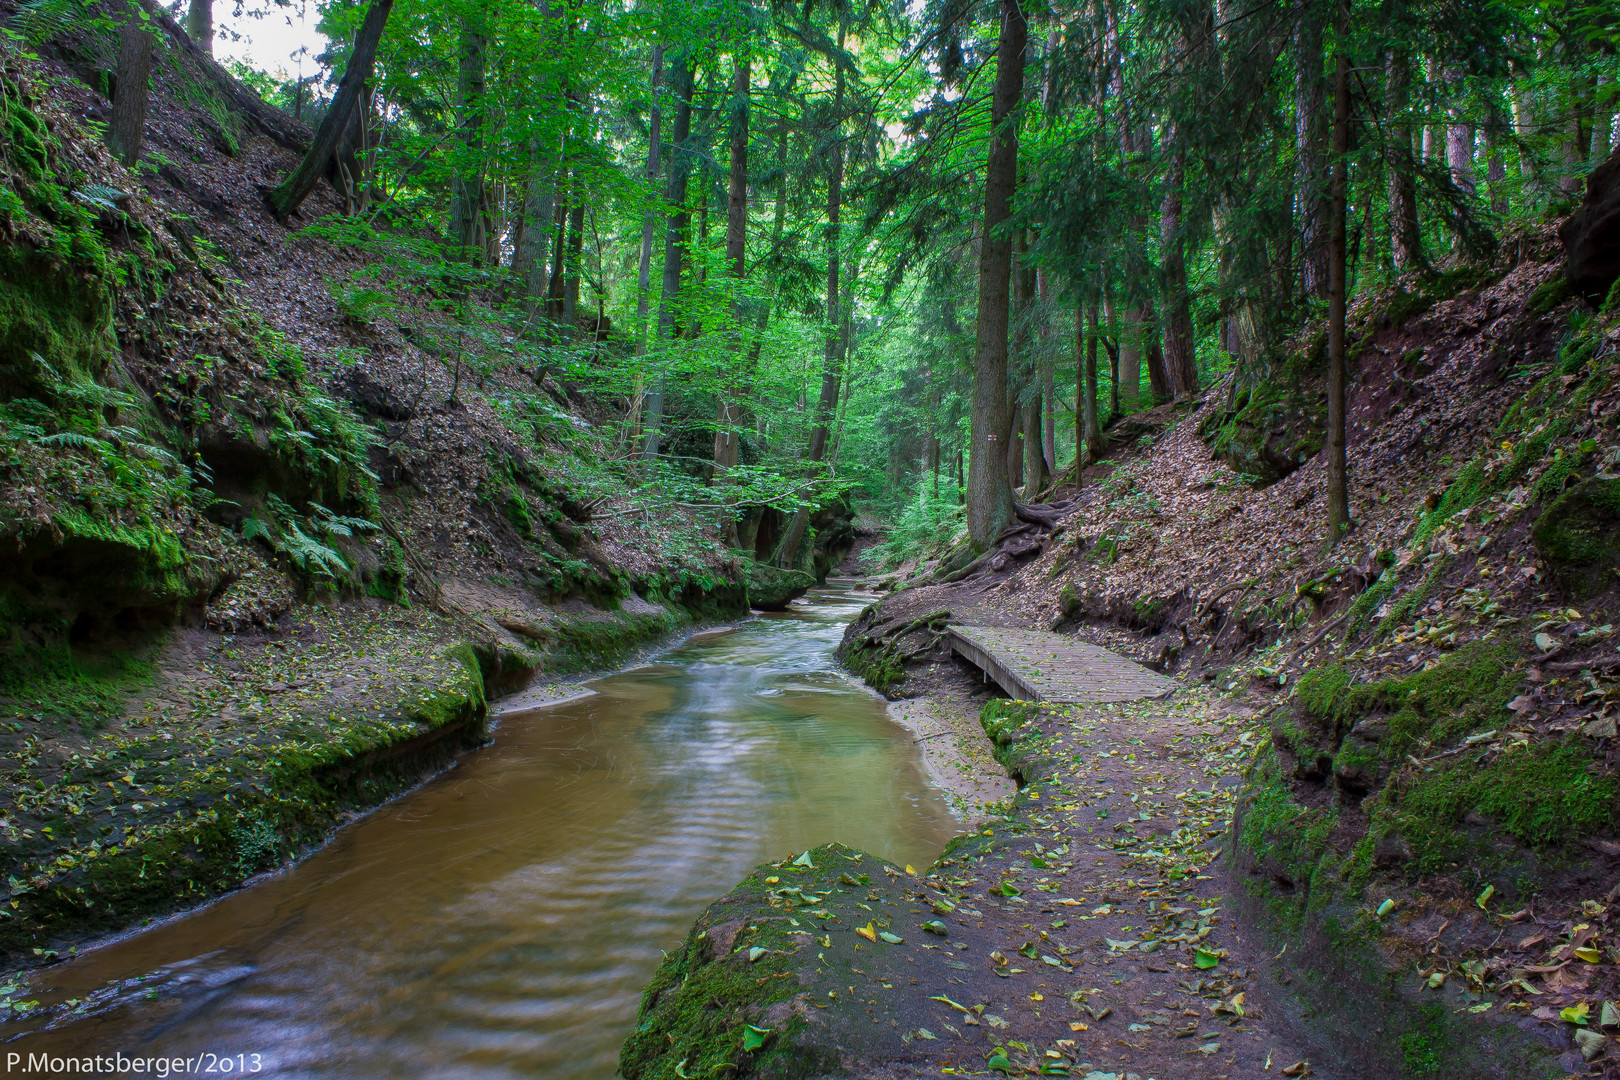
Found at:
<point>1579,536</point>
<point>737,998</point>
<point>771,588</point>
<point>1269,435</point>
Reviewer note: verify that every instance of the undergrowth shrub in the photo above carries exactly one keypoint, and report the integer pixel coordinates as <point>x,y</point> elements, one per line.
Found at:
<point>926,526</point>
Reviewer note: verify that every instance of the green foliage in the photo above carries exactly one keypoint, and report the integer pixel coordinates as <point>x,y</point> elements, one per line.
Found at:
<point>927,526</point>
<point>304,540</point>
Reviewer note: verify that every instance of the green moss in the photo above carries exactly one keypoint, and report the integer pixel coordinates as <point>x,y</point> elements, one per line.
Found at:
<point>1356,759</point>
<point>1283,838</point>
<point>1548,295</point>
<point>1544,797</point>
<point>516,510</point>
<point>55,323</point>
<point>597,642</point>
<point>695,1011</point>
<point>1564,466</point>
<point>1277,427</point>
<point>1534,448</point>
<point>1319,689</point>
<point>1423,1048</point>
<point>1464,693</point>
<point>1362,608</point>
<point>1579,536</point>
<point>56,689</point>
<point>1104,550</point>
<point>1406,607</point>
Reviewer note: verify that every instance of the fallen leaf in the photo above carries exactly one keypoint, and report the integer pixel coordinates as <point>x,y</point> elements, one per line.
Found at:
<point>1575,1014</point>
<point>869,932</point>
<point>1203,959</point>
<point>754,1037</point>
<point>892,939</point>
<point>1485,897</point>
<point>1590,1043</point>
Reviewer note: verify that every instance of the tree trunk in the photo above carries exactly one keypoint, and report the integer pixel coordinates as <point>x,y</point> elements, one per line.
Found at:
<point>1180,365</point>
<point>1093,429</point>
<point>649,225</point>
<point>1602,120</point>
<point>680,168</point>
<point>291,193</point>
<point>1433,137</point>
<point>200,24</point>
<point>1460,147</point>
<point>1338,489</point>
<point>1015,450</point>
<point>128,124</point>
<point>1080,461</point>
<point>1310,176</point>
<point>1524,120</point>
<point>1405,240</point>
<point>1113,382</point>
<point>572,260</point>
<point>1025,377</point>
<point>990,502</point>
<point>531,255</point>
<point>832,352</point>
<point>559,246</point>
<point>1157,381</point>
<point>931,444</point>
<point>1126,325</point>
<point>467,185</point>
<point>728,417</point>
<point>1048,377</point>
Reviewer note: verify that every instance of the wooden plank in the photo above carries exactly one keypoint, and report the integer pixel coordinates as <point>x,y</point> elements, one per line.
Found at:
<point>1034,665</point>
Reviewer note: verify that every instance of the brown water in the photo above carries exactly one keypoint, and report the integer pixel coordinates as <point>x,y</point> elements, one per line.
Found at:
<point>501,920</point>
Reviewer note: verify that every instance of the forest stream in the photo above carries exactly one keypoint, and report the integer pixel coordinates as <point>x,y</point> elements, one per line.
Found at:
<point>502,919</point>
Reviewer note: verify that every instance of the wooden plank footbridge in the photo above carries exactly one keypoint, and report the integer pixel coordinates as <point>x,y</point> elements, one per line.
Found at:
<point>1034,665</point>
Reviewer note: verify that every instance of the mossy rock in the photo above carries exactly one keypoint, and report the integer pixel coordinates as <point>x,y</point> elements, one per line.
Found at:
<point>1579,537</point>
<point>771,588</point>
<point>737,998</point>
<point>55,322</point>
<point>1272,434</point>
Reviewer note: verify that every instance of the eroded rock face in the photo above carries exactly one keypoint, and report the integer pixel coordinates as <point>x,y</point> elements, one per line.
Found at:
<point>1591,235</point>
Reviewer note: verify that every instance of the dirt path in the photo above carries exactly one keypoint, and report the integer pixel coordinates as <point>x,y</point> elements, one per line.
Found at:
<point>1081,924</point>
